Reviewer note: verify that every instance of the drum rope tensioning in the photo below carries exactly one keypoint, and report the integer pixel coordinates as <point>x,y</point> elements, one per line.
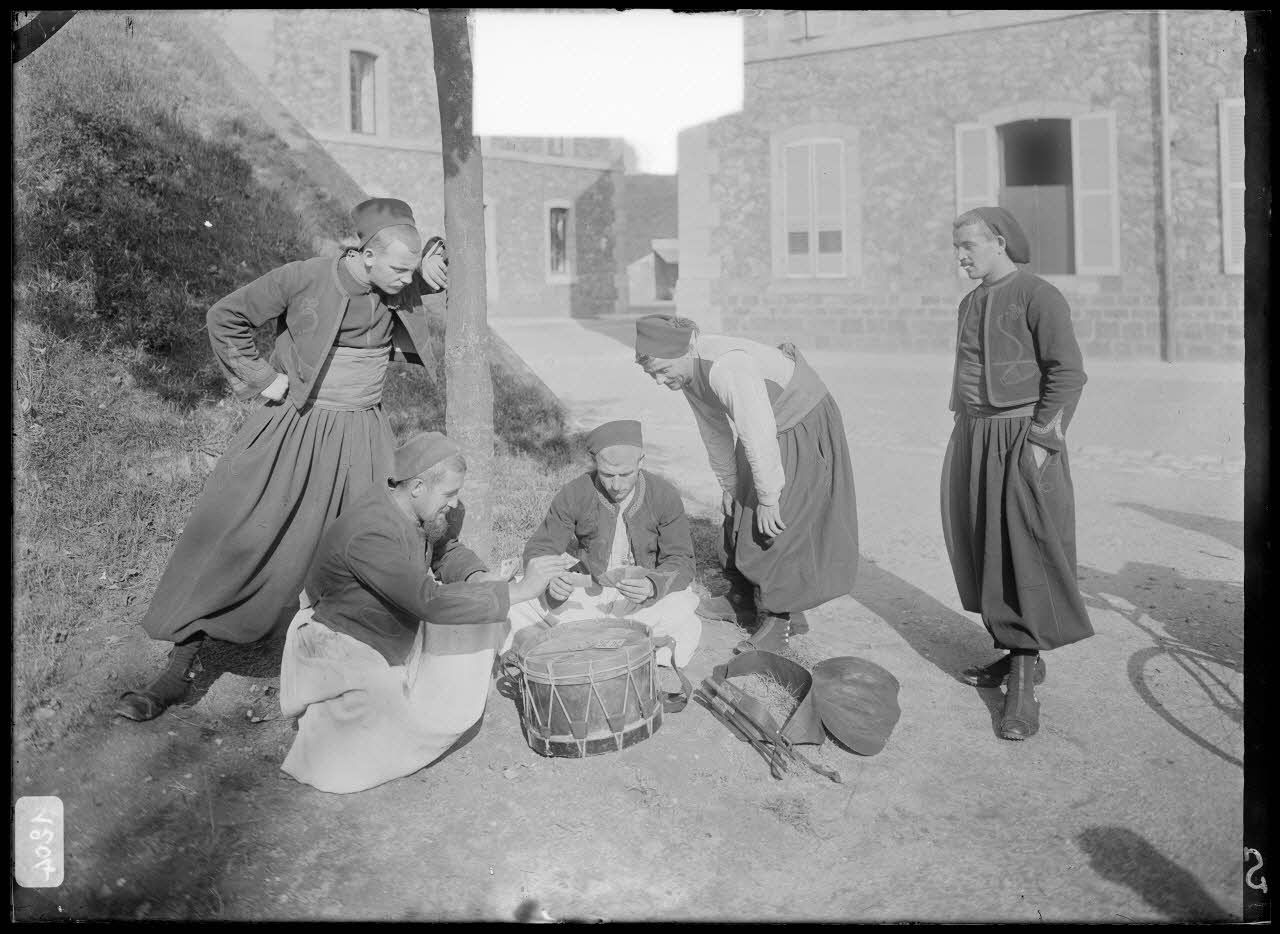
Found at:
<point>590,687</point>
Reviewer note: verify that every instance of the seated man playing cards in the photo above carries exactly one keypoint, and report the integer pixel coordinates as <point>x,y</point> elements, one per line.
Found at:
<point>629,530</point>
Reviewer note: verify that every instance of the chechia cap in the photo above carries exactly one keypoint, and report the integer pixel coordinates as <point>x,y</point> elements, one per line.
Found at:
<point>623,431</point>
<point>420,453</point>
<point>1004,224</point>
<point>376,213</point>
<point>659,336</point>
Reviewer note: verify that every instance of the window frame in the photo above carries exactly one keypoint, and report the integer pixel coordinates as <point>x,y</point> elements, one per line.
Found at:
<point>381,90</point>
<point>565,143</point>
<point>1056,110</point>
<point>566,276</point>
<point>850,202</point>
<point>1226,186</point>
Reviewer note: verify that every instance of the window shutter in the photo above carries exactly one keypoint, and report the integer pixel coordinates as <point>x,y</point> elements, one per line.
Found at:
<point>797,209</point>
<point>828,208</point>
<point>1231,150</point>
<point>1095,194</point>
<point>977,170</point>
<point>976,166</point>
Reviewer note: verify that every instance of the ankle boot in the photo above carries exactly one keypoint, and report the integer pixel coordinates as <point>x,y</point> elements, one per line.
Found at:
<point>799,624</point>
<point>169,688</point>
<point>771,634</point>
<point>994,674</point>
<point>1021,716</point>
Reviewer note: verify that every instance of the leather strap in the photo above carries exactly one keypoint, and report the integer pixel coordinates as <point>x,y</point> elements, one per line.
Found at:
<point>804,725</point>
<point>674,703</point>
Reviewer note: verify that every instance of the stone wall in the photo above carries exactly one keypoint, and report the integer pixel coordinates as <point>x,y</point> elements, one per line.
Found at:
<point>1206,61</point>
<point>519,193</point>
<point>310,69</point>
<point>301,55</point>
<point>905,99</point>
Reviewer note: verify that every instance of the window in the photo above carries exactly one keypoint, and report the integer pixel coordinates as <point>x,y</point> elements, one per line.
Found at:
<point>1056,172</point>
<point>815,210</point>
<point>558,233</point>
<point>1036,188</point>
<point>1231,153</point>
<point>809,24</point>
<point>813,189</point>
<point>363,93</point>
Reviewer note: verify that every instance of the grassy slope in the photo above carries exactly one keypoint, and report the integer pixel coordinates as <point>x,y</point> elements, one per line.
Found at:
<point>126,144</point>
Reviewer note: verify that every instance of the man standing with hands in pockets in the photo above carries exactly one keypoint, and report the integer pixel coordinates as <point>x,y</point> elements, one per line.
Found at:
<point>1008,504</point>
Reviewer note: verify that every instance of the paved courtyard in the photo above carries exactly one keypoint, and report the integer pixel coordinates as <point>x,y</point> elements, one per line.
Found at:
<point>1132,791</point>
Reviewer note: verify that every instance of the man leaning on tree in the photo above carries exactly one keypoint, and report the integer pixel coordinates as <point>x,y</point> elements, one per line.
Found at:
<point>317,441</point>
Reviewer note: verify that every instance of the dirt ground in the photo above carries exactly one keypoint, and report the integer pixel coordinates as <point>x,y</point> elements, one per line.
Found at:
<point>1125,807</point>
<point>189,816</point>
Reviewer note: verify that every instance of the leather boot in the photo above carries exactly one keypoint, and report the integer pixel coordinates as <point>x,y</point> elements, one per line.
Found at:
<point>739,602</point>
<point>169,688</point>
<point>994,675</point>
<point>771,634</point>
<point>1021,716</point>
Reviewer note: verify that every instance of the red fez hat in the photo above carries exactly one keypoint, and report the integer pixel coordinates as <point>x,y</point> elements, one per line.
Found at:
<point>623,431</point>
<point>1004,224</point>
<point>376,213</point>
<point>420,453</point>
<point>659,336</point>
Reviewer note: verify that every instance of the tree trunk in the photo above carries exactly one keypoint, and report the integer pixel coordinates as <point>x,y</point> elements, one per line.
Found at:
<point>36,31</point>
<point>469,392</point>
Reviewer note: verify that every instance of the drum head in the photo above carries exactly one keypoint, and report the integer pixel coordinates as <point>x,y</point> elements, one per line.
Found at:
<point>586,648</point>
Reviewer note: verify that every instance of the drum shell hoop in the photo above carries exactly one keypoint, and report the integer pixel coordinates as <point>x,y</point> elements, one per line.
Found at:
<point>585,695</point>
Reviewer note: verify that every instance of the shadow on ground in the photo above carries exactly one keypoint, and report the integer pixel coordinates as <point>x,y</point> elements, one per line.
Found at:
<point>1204,615</point>
<point>1191,674</point>
<point>1119,855</point>
<point>946,639</point>
<point>1227,531</point>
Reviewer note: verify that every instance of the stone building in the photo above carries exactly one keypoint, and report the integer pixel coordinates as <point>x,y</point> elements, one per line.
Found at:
<point>362,83</point>
<point>823,210</point>
<point>648,224</point>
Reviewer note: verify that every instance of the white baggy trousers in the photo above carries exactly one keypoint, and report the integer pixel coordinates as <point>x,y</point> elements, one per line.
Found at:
<point>363,721</point>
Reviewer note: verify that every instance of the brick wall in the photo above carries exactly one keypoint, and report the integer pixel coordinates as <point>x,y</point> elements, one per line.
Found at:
<point>905,99</point>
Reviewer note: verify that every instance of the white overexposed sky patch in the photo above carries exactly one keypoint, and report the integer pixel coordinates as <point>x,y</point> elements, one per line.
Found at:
<point>639,74</point>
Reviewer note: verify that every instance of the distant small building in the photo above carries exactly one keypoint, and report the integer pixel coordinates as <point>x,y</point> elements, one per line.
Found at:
<point>651,280</point>
<point>647,214</point>
<point>362,83</point>
<point>823,209</point>
<point>666,268</point>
